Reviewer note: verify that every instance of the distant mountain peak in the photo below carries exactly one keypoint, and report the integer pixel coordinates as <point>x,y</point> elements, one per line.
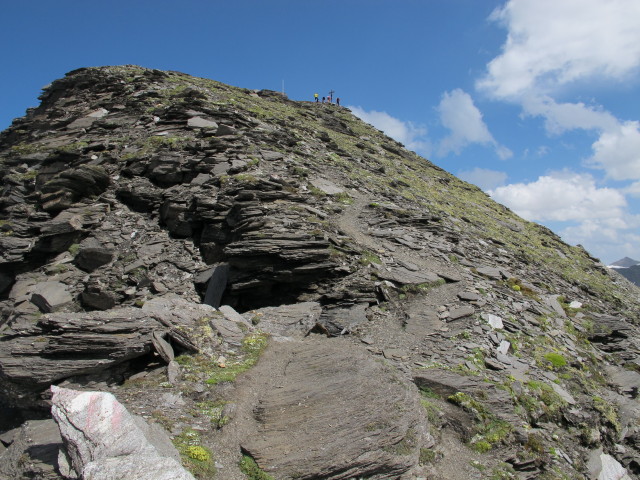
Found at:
<point>625,262</point>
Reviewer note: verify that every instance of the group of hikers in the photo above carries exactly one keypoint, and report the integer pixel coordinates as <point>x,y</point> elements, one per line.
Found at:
<point>327,99</point>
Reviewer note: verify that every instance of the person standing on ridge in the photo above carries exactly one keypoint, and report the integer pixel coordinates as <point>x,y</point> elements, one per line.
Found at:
<point>322,99</point>
<point>338,101</point>
<point>315,95</point>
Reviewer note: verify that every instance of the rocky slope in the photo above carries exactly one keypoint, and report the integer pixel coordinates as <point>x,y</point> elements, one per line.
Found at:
<point>196,249</point>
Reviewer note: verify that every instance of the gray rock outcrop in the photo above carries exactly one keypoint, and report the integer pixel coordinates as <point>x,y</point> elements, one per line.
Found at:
<point>103,441</point>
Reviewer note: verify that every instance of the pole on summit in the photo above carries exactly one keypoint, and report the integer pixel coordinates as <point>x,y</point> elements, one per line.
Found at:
<point>331,96</point>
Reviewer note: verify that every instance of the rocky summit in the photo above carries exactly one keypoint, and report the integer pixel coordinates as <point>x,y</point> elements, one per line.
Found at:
<point>287,293</point>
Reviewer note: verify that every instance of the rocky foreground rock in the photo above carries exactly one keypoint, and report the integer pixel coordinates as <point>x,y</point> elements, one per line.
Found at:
<point>288,292</point>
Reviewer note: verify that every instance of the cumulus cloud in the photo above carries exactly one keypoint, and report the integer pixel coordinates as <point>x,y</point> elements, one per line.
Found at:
<point>632,190</point>
<point>484,178</point>
<point>552,43</point>
<point>562,196</point>
<point>459,114</point>
<point>410,135</point>
<point>617,151</point>
<point>608,240</point>
<point>560,117</point>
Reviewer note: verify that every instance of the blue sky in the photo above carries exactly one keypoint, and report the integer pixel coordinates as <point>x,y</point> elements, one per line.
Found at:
<point>535,101</point>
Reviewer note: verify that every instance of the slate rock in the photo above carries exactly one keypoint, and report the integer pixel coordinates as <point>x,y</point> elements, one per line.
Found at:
<point>101,448</point>
<point>287,320</point>
<point>338,321</point>
<point>326,186</point>
<point>93,257</point>
<point>51,296</point>
<point>216,284</point>
<point>404,276</point>
<point>229,331</point>
<point>33,452</point>
<point>461,312</point>
<point>469,296</point>
<point>63,345</point>
<point>446,383</point>
<point>490,272</point>
<point>310,421</point>
<point>199,122</point>
<point>603,466</point>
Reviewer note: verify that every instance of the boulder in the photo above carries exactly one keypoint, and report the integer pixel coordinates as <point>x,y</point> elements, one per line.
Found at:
<point>51,296</point>
<point>604,467</point>
<point>92,257</point>
<point>104,441</point>
<point>316,416</point>
<point>287,320</point>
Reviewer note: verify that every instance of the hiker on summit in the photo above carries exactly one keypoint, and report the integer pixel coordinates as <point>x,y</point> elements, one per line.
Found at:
<point>338,101</point>
<point>322,99</point>
<point>315,95</point>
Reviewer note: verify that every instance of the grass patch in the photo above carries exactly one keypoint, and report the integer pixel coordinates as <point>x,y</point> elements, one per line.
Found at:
<point>489,430</point>
<point>555,359</point>
<point>196,458</point>
<point>368,257</point>
<point>252,347</point>
<point>250,468</point>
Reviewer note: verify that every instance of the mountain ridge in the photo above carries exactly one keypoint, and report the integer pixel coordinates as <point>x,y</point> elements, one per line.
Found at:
<point>127,185</point>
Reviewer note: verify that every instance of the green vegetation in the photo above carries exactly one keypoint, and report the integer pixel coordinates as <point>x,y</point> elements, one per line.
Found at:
<point>252,346</point>
<point>555,359</point>
<point>250,468</point>
<point>608,413</point>
<point>541,400</point>
<point>427,455</point>
<point>197,458</point>
<point>367,258</point>
<point>74,249</point>
<point>213,410</point>
<point>422,287</point>
<point>489,430</point>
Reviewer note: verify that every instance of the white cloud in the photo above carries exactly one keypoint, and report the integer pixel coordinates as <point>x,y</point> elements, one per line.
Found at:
<point>552,43</point>
<point>407,133</point>
<point>562,196</point>
<point>459,114</point>
<point>560,117</point>
<point>632,190</point>
<point>617,151</point>
<point>607,240</point>
<point>483,178</point>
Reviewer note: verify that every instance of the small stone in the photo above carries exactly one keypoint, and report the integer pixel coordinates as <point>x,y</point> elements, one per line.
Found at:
<point>461,312</point>
<point>199,122</point>
<point>493,320</point>
<point>503,347</point>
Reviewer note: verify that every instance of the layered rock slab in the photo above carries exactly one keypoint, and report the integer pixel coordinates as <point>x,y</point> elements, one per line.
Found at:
<point>329,410</point>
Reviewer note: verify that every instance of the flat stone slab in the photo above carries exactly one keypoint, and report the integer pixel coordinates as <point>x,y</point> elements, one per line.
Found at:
<point>51,296</point>
<point>404,276</point>
<point>326,186</point>
<point>461,312</point>
<point>287,320</point>
<point>317,417</point>
<point>199,122</point>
